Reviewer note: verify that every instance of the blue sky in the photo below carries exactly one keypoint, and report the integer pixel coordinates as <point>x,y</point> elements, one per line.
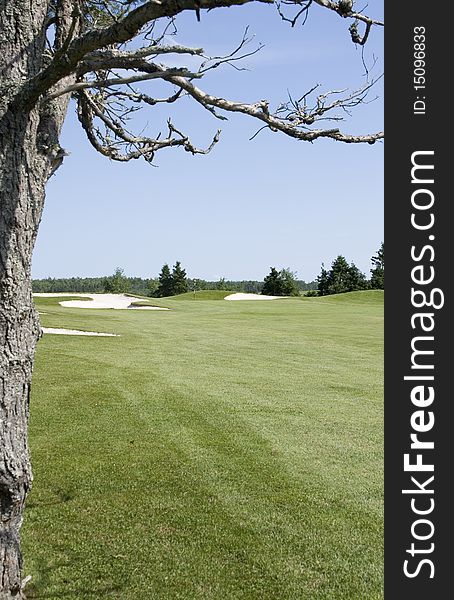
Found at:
<point>248,205</point>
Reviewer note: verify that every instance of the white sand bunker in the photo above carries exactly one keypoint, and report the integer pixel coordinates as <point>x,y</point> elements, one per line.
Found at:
<point>242,296</point>
<point>115,301</point>
<point>59,331</point>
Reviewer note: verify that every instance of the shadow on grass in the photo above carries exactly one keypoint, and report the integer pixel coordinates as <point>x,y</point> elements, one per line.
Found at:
<point>41,586</point>
<point>62,496</point>
<point>33,592</point>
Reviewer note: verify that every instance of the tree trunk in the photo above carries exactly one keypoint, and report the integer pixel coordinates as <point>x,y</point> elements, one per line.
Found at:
<point>21,199</point>
<point>29,154</point>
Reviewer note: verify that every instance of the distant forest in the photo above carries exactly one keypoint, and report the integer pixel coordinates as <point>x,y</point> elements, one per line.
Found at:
<point>147,287</point>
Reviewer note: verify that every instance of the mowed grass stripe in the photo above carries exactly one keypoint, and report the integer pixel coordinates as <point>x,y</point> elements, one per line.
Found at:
<point>217,450</point>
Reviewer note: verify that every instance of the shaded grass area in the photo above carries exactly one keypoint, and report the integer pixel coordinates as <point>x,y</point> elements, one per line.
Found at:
<point>203,295</point>
<point>54,301</point>
<point>199,295</point>
<point>144,303</point>
<point>217,450</point>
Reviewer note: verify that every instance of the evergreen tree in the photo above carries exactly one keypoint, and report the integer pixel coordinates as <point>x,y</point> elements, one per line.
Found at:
<point>273,284</point>
<point>289,285</point>
<point>377,280</point>
<point>116,283</point>
<point>339,276</point>
<point>357,279</point>
<point>323,282</point>
<point>165,285</point>
<point>280,283</point>
<point>179,279</point>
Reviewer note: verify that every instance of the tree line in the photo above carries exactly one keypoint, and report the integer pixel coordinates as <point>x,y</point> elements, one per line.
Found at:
<point>341,277</point>
<point>344,277</point>
<point>119,283</point>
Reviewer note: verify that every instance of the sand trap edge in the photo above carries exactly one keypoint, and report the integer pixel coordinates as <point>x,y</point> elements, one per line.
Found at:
<point>60,331</point>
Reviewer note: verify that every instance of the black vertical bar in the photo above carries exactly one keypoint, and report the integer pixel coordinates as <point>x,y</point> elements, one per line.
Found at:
<point>418,120</point>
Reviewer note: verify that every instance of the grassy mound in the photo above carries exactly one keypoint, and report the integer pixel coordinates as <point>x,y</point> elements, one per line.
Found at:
<point>140,303</point>
<point>360,297</point>
<point>203,295</point>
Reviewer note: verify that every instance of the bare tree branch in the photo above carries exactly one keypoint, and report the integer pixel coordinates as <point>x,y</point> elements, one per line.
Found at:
<point>139,97</point>
<point>117,33</point>
<point>158,74</point>
<point>129,24</point>
<point>214,62</point>
<point>112,107</point>
<point>116,59</point>
<point>135,146</point>
<point>344,8</point>
<point>94,58</point>
<point>260,110</point>
<point>304,10</point>
<point>298,112</point>
<point>98,59</point>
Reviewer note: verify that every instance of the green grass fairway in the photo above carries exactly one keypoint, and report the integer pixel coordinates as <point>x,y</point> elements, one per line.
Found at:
<point>218,450</point>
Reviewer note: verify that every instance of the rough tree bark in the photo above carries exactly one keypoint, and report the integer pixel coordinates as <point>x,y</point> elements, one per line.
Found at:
<point>29,152</point>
